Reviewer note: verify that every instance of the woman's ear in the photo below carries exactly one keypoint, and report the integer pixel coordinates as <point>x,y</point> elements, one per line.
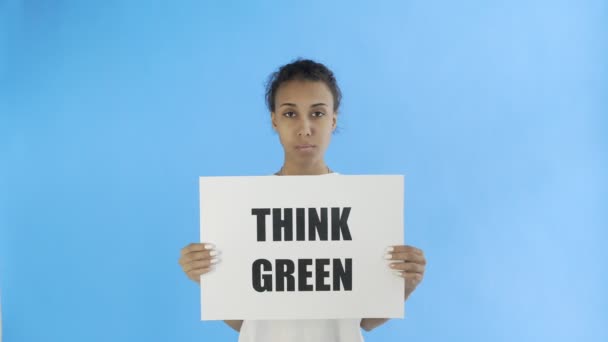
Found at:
<point>273,120</point>
<point>334,123</point>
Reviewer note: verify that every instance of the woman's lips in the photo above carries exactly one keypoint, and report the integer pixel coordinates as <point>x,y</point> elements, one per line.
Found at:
<point>305,147</point>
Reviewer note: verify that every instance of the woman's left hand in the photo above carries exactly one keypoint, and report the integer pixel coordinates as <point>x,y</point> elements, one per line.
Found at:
<point>408,262</point>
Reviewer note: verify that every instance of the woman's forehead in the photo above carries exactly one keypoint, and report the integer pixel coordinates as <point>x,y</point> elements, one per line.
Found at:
<point>298,92</point>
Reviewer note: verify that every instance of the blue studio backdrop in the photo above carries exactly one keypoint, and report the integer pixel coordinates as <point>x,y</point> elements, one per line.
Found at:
<point>496,112</point>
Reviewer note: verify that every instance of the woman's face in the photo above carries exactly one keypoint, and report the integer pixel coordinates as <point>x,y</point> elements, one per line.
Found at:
<point>305,119</point>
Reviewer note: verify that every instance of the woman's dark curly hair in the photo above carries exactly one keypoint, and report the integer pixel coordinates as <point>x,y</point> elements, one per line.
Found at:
<point>302,70</point>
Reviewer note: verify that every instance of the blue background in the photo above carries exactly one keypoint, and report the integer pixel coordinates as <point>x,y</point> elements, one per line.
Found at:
<point>496,112</point>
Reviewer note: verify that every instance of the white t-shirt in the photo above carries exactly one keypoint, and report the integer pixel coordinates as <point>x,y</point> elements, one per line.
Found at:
<point>304,330</point>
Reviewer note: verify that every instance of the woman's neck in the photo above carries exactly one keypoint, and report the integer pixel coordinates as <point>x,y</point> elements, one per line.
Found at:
<point>292,169</point>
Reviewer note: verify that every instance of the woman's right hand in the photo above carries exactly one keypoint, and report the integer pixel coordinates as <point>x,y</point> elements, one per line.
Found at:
<point>197,259</point>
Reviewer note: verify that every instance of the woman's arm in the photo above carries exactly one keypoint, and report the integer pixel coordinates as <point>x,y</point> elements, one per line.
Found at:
<point>235,324</point>
<point>370,323</point>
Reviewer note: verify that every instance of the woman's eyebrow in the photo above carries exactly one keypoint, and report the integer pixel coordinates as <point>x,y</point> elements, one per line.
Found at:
<point>294,105</point>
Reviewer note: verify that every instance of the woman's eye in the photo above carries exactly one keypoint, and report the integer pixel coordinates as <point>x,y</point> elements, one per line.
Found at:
<point>318,114</point>
<point>289,114</point>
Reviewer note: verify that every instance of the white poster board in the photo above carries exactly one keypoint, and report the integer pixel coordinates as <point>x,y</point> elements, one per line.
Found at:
<point>328,261</point>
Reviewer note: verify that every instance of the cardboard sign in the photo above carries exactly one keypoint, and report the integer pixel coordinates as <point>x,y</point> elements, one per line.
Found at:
<point>301,247</point>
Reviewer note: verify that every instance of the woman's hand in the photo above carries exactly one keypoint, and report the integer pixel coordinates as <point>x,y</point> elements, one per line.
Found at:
<point>197,259</point>
<point>410,265</point>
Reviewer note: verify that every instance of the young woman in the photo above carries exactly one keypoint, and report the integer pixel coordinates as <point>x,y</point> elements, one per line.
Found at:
<point>303,98</point>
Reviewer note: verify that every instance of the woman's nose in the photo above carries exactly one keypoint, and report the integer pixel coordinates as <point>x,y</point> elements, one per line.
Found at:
<point>304,129</point>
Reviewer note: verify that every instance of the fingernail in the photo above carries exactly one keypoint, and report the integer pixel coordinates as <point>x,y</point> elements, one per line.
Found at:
<point>392,265</point>
<point>215,260</point>
<point>398,273</point>
<point>389,249</point>
<point>209,246</point>
<point>214,253</point>
<point>388,256</point>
